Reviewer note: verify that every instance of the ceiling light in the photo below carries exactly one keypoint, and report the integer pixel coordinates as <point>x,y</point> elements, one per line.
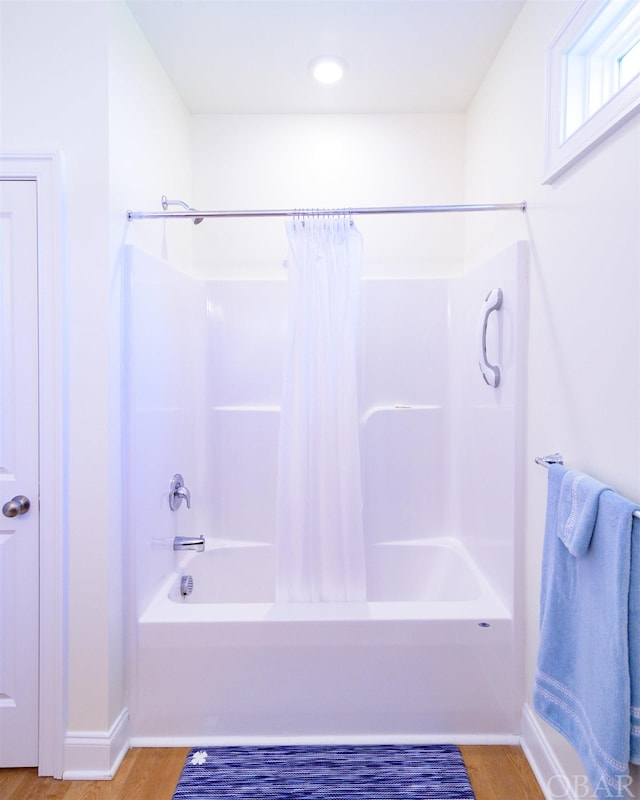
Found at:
<point>327,69</point>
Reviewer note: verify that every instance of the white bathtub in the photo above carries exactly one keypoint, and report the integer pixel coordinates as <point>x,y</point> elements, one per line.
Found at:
<point>435,570</point>
<point>430,657</point>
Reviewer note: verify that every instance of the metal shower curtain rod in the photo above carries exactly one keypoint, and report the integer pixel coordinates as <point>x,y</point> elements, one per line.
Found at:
<point>198,216</point>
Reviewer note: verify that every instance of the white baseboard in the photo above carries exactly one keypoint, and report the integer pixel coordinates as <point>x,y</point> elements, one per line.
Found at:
<point>308,739</point>
<point>96,755</point>
<point>554,782</point>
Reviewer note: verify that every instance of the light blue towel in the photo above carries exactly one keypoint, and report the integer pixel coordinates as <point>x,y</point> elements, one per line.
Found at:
<point>634,640</point>
<point>589,640</point>
<point>577,508</point>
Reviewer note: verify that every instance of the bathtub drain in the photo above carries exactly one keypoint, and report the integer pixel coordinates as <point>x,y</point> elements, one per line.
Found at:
<point>186,585</point>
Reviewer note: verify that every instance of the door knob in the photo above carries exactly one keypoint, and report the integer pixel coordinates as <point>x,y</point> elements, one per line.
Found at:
<point>18,505</point>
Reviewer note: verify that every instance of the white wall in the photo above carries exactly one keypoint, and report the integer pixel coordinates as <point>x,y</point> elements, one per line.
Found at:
<point>79,79</point>
<point>484,448</point>
<point>584,343</point>
<point>54,98</point>
<point>149,156</point>
<point>325,161</point>
<point>163,364</point>
<point>149,145</point>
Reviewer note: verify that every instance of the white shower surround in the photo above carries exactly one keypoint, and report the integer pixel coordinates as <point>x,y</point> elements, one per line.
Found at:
<point>442,477</point>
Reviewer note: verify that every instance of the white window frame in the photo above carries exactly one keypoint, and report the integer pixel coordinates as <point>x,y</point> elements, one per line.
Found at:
<point>568,73</point>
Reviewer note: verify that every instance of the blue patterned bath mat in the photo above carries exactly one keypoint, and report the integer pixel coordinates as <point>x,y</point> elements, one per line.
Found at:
<point>331,772</point>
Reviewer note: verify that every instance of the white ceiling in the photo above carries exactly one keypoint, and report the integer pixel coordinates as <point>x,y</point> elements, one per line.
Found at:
<point>251,56</point>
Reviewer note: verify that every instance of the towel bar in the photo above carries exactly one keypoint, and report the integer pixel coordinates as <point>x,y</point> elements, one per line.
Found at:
<point>547,461</point>
<point>556,458</point>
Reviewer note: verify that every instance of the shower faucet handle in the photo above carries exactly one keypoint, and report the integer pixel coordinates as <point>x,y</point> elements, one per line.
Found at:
<point>178,492</point>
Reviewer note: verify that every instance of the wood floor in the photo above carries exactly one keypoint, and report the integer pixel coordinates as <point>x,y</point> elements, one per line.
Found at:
<point>496,773</point>
<point>500,773</point>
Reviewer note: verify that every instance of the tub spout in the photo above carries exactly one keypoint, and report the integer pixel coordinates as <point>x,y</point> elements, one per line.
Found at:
<point>189,543</point>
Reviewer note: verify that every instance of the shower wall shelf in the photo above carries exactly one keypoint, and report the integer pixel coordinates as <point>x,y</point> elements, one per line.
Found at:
<point>247,408</point>
<point>402,407</point>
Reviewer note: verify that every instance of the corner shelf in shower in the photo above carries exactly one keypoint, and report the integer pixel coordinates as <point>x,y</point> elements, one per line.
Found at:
<point>397,408</point>
<point>247,408</point>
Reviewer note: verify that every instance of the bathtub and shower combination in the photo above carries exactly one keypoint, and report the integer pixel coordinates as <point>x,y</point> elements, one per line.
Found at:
<point>434,653</point>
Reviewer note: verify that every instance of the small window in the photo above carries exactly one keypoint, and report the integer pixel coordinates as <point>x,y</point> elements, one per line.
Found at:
<point>593,80</point>
<point>629,64</point>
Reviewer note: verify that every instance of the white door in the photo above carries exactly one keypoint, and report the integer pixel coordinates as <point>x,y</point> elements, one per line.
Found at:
<point>19,525</point>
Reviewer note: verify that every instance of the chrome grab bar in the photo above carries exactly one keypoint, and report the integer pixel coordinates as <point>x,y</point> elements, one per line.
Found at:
<point>490,372</point>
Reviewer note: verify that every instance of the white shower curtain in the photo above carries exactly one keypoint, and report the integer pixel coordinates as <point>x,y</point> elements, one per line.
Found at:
<point>320,548</point>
